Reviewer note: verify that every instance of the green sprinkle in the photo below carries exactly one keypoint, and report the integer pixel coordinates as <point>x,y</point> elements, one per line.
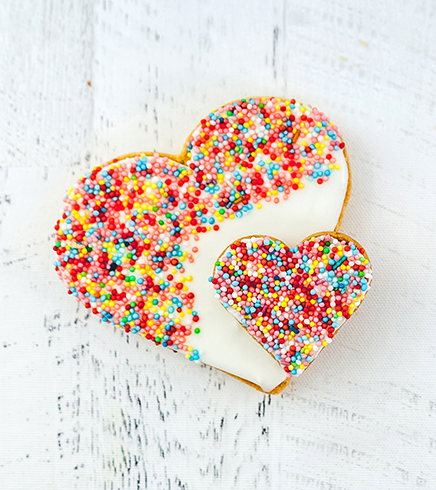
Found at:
<point>222,211</point>
<point>197,330</point>
<point>161,222</point>
<point>132,304</point>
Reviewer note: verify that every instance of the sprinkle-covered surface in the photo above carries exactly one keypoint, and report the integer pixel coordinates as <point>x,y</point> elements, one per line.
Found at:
<point>126,231</point>
<point>128,227</point>
<point>292,300</point>
<point>262,148</point>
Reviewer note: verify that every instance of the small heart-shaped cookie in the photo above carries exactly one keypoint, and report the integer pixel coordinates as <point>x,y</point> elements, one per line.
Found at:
<point>292,301</point>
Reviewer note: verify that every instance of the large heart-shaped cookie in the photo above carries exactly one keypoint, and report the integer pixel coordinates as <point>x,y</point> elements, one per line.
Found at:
<point>139,236</point>
<point>292,301</point>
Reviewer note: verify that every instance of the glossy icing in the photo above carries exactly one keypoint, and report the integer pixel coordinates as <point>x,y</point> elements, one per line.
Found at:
<point>305,212</point>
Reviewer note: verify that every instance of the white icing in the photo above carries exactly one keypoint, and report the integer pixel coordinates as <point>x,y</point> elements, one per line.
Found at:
<point>223,343</point>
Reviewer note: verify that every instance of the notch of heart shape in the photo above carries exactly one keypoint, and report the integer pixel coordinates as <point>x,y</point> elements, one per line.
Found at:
<point>139,238</point>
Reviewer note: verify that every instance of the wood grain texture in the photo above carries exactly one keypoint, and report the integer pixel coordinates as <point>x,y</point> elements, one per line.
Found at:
<point>84,406</point>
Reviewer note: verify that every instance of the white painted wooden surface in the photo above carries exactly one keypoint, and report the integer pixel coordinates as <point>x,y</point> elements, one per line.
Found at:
<point>83,406</point>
